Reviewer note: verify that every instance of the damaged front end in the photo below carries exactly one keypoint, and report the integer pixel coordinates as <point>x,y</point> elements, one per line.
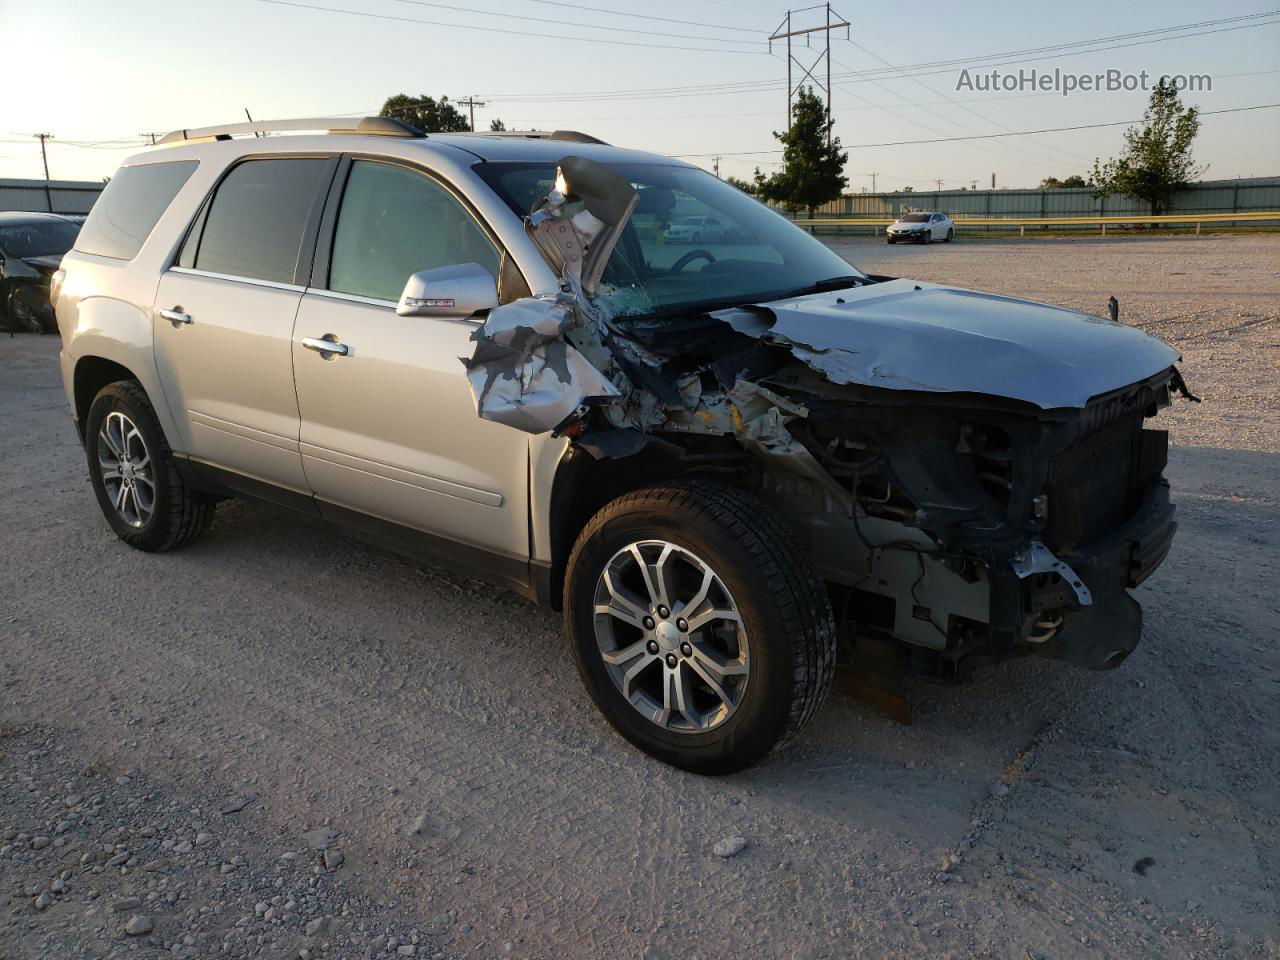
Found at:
<point>971,473</point>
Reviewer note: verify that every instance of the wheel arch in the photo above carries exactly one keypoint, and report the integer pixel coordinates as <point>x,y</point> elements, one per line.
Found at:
<point>580,484</point>
<point>91,374</point>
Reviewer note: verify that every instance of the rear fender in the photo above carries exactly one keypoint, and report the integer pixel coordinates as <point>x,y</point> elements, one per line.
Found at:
<point>114,330</point>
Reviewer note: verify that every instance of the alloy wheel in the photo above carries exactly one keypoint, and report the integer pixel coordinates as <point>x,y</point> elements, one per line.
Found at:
<point>124,463</point>
<point>671,636</point>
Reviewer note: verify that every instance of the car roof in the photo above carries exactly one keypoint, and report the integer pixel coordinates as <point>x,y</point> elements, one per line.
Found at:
<point>483,147</point>
<point>16,217</point>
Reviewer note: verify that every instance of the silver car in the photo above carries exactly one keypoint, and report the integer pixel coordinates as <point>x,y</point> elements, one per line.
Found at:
<point>728,469</point>
<point>921,227</point>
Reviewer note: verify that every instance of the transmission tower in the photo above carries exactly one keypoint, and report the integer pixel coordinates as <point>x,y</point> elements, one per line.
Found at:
<point>785,31</point>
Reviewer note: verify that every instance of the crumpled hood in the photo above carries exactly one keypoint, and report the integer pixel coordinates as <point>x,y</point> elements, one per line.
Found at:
<point>907,335</point>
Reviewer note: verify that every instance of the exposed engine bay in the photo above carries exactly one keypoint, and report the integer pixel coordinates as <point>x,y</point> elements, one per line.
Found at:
<point>971,473</point>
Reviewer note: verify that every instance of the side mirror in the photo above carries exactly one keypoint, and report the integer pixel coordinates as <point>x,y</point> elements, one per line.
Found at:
<point>458,290</point>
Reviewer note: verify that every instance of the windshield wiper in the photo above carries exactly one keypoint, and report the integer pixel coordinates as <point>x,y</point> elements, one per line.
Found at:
<point>823,286</point>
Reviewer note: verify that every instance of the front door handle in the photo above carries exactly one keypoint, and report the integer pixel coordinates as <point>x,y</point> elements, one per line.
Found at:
<point>327,346</point>
<point>176,316</point>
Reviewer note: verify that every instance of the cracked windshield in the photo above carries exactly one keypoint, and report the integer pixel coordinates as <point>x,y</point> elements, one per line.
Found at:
<point>693,242</point>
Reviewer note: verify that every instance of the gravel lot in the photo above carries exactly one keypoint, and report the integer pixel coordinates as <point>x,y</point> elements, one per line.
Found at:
<point>283,743</point>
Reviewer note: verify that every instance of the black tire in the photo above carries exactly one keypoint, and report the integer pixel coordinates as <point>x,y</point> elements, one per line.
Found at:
<point>889,240</point>
<point>782,602</point>
<point>179,514</point>
<point>21,316</point>
<point>950,234</point>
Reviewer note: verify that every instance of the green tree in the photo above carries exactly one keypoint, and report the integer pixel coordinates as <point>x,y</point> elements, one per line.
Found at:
<point>425,113</point>
<point>1157,154</point>
<point>743,185</point>
<point>1053,183</point>
<point>812,169</point>
<point>497,126</point>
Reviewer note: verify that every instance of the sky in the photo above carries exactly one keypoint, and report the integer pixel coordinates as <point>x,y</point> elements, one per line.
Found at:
<point>691,78</point>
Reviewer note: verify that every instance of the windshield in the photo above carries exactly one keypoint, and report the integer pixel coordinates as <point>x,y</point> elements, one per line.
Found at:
<point>915,218</point>
<point>36,239</point>
<point>752,255</point>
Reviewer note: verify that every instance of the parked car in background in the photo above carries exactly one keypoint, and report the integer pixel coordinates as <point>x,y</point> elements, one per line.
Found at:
<point>696,230</point>
<point>31,247</point>
<point>922,227</point>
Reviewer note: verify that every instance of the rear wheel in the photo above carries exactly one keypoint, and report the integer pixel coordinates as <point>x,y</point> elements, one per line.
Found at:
<point>699,625</point>
<point>134,475</point>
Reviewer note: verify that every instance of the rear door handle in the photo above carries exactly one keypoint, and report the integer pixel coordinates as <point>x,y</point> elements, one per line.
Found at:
<point>325,346</point>
<point>176,316</point>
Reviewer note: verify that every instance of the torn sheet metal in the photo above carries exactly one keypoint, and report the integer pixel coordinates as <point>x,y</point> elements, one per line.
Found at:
<point>577,224</point>
<point>903,335</point>
<point>524,373</point>
<point>1035,557</point>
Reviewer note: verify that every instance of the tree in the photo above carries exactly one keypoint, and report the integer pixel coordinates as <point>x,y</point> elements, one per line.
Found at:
<point>743,185</point>
<point>812,169</point>
<point>497,126</point>
<point>1157,155</point>
<point>425,113</point>
<point>1053,183</point>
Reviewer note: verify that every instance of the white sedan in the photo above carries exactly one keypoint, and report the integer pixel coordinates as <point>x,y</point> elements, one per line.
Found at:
<point>922,227</point>
<point>695,230</point>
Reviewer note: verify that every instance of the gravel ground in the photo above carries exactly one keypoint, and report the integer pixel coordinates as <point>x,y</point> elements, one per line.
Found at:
<point>432,732</point>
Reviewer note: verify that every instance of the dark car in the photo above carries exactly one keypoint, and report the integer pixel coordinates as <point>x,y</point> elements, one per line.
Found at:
<point>31,247</point>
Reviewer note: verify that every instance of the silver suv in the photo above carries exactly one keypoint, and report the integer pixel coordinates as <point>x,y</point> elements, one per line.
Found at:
<point>729,463</point>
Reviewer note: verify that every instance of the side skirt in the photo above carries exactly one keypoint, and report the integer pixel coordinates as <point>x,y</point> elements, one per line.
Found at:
<point>529,579</point>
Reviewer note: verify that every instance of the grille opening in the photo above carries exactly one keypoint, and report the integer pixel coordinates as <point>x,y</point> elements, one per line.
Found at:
<point>993,460</point>
<point>1095,484</point>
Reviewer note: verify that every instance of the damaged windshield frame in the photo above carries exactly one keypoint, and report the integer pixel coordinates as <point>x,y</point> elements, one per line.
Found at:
<point>790,261</point>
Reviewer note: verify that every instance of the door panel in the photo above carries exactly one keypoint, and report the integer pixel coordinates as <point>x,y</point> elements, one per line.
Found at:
<point>391,430</point>
<point>228,374</point>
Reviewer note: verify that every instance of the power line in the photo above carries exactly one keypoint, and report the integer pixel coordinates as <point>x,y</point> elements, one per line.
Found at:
<point>866,76</point>
<point>1030,153</point>
<point>984,136</point>
<point>514,33</point>
<point>645,16</point>
<point>593,26</point>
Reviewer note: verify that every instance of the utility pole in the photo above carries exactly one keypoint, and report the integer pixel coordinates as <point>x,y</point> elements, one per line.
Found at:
<point>151,136</point>
<point>993,181</point>
<point>471,103</point>
<point>873,180</point>
<point>715,165</point>
<point>973,184</point>
<point>939,183</point>
<point>785,32</point>
<point>44,157</point>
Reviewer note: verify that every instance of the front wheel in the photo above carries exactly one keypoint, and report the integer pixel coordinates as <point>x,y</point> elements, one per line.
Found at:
<point>134,475</point>
<point>699,625</point>
<point>950,234</point>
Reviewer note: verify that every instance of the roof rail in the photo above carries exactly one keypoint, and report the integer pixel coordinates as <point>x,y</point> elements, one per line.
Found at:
<point>573,136</point>
<point>374,126</point>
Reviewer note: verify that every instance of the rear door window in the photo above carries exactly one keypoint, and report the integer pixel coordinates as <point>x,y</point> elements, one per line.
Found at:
<point>255,225</point>
<point>129,208</point>
<point>395,222</point>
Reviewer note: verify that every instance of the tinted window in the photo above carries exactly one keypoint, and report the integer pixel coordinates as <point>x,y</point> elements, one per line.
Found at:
<point>394,223</point>
<point>255,224</point>
<point>37,238</point>
<point>915,218</point>
<point>125,213</point>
